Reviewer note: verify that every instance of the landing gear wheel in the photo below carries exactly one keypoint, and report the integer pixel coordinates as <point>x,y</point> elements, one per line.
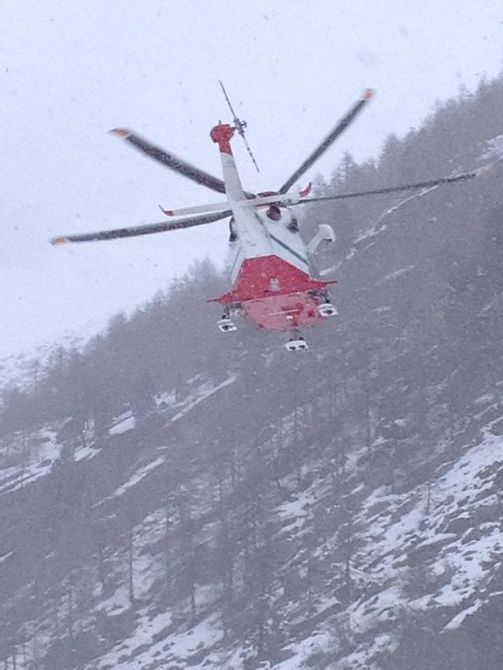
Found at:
<point>296,343</point>
<point>326,309</point>
<point>225,324</point>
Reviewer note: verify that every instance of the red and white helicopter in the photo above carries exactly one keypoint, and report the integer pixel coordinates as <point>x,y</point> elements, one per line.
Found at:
<point>273,281</point>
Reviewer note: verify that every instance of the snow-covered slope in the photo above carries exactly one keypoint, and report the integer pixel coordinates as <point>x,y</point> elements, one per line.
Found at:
<point>21,368</point>
<point>355,561</point>
<point>432,548</point>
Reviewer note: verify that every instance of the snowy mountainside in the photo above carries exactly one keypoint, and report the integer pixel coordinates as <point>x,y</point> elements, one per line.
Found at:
<point>16,369</point>
<point>352,558</point>
<point>34,464</point>
<point>22,368</point>
<point>458,542</point>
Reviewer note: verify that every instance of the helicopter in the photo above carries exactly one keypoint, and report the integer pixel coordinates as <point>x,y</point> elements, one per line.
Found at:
<point>273,280</point>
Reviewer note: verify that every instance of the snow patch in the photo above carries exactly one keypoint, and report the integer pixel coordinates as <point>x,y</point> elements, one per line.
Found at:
<point>123,424</point>
<point>5,556</point>
<point>138,476</point>
<point>33,455</point>
<point>204,391</point>
<point>165,399</point>
<point>456,621</point>
<point>394,275</point>
<point>494,149</point>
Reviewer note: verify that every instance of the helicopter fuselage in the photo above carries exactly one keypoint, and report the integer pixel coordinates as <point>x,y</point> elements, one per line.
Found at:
<point>271,273</point>
<point>273,282</point>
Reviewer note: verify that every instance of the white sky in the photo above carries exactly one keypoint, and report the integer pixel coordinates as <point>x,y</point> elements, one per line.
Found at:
<point>70,71</point>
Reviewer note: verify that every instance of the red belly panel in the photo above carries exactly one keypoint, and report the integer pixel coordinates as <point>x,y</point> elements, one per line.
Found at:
<point>283,312</point>
<point>269,275</point>
<point>275,294</point>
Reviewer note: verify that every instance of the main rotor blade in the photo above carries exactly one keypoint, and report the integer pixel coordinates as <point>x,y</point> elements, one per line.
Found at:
<point>147,229</point>
<point>171,161</point>
<point>392,189</point>
<point>329,139</point>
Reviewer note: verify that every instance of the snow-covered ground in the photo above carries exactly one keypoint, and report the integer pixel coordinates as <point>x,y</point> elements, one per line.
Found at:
<point>451,533</point>
<point>27,457</point>
<point>138,475</point>
<point>397,532</point>
<point>392,530</point>
<point>123,423</point>
<point>204,390</point>
<point>21,367</point>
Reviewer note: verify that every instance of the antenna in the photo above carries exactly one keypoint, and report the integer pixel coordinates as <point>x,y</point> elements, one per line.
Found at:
<point>239,126</point>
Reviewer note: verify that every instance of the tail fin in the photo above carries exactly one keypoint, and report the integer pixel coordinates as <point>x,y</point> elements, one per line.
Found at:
<point>222,135</point>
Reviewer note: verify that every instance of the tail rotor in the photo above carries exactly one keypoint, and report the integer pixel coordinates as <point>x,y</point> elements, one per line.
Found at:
<point>240,126</point>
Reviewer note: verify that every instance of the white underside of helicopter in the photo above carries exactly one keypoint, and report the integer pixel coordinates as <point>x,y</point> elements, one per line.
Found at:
<point>258,236</point>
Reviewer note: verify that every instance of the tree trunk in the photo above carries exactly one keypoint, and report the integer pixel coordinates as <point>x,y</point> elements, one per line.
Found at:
<point>167,528</point>
<point>101,566</point>
<point>131,566</point>
<point>70,621</point>
<point>193,602</point>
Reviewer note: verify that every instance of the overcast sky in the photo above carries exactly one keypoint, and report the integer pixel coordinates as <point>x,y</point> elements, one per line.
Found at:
<point>70,71</point>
